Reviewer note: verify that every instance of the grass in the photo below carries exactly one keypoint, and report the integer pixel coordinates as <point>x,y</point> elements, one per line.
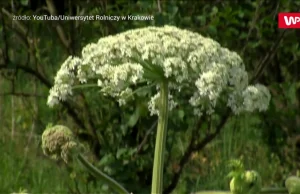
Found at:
<point>28,170</point>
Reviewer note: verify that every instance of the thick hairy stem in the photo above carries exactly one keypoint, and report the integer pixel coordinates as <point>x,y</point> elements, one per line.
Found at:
<point>114,185</point>
<point>160,144</point>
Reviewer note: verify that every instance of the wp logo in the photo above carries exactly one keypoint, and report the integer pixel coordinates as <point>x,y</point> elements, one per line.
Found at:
<point>289,20</point>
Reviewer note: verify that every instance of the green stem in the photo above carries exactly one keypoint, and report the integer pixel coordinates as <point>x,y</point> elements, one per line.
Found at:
<point>105,178</point>
<point>274,191</point>
<point>85,86</point>
<point>157,175</point>
<point>263,191</point>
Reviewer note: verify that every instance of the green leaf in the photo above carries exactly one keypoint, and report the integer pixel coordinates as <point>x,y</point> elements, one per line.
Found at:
<point>144,4</point>
<point>201,19</point>
<point>254,45</point>
<point>121,152</point>
<point>159,19</point>
<point>24,2</point>
<point>172,10</point>
<point>134,118</point>
<point>186,20</point>
<point>241,14</point>
<point>214,11</point>
<point>181,114</point>
<point>212,30</point>
<point>243,35</point>
<point>107,159</point>
<point>132,151</point>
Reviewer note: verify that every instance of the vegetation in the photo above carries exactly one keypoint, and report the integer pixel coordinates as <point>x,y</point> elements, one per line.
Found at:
<point>121,139</point>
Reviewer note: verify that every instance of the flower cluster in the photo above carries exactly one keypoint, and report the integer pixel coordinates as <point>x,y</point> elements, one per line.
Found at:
<point>64,81</point>
<point>154,103</point>
<point>58,142</point>
<point>145,55</point>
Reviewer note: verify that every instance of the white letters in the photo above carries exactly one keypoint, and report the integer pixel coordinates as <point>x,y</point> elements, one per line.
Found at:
<point>291,20</point>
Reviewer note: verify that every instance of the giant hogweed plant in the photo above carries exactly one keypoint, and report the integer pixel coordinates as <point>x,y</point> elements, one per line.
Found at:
<point>166,59</point>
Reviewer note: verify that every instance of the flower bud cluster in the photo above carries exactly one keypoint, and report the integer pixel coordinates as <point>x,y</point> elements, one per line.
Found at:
<point>58,142</point>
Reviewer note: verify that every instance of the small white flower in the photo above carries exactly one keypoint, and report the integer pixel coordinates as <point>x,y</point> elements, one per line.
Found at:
<point>154,103</point>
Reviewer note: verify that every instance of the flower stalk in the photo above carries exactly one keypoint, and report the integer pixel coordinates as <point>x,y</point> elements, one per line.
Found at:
<point>114,185</point>
<point>157,175</point>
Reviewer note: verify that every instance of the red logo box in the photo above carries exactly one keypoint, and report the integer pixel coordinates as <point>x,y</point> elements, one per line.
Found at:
<point>289,20</point>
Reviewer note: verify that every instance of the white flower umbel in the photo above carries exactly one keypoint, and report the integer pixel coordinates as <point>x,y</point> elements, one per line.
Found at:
<point>253,98</point>
<point>170,59</point>
<point>256,98</point>
<point>185,58</point>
